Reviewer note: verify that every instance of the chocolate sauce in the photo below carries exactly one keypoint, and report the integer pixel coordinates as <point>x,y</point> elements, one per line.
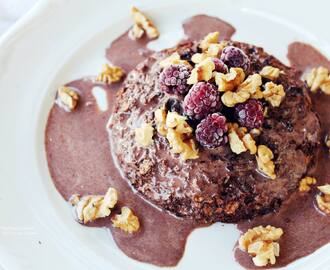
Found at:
<point>196,27</point>
<point>305,228</point>
<point>80,161</point>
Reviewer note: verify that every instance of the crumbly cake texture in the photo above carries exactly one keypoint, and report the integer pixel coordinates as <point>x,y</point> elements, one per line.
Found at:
<point>219,185</point>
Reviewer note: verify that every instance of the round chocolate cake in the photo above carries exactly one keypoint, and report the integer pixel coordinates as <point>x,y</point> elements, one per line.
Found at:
<point>213,182</point>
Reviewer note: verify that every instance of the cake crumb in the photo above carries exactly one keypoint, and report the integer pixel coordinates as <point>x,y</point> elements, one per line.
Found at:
<point>110,74</point>
<point>142,24</point>
<point>305,183</point>
<point>270,72</point>
<point>67,98</point>
<point>265,161</point>
<point>261,243</point>
<point>126,221</point>
<point>91,207</point>
<point>323,201</point>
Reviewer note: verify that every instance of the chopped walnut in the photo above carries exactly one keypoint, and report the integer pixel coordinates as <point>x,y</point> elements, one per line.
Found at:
<point>319,78</point>
<point>247,89</point>
<point>67,98</point>
<point>110,74</point>
<point>143,135</point>
<point>209,39</point>
<point>229,81</point>
<point>328,143</point>
<point>305,183</point>
<point>136,32</point>
<point>261,243</point>
<point>91,207</point>
<point>173,59</point>
<point>213,50</point>
<point>323,201</point>
<point>178,133</point>
<point>265,161</point>
<point>251,84</point>
<point>274,93</point>
<point>270,72</point>
<point>126,221</point>
<point>202,71</point>
<point>142,24</point>
<point>239,140</point>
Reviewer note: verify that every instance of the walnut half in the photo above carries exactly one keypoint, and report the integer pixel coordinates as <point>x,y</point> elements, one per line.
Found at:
<point>67,98</point>
<point>265,161</point>
<point>126,221</point>
<point>260,242</point>
<point>305,183</point>
<point>323,201</point>
<point>91,207</point>
<point>142,24</point>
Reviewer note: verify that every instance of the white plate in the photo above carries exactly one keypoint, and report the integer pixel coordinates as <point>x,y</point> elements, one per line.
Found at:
<point>61,40</point>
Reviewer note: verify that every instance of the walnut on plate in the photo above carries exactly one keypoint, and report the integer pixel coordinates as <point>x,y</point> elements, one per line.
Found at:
<point>91,207</point>
<point>110,74</point>
<point>67,98</point>
<point>126,221</point>
<point>142,24</point>
<point>261,243</point>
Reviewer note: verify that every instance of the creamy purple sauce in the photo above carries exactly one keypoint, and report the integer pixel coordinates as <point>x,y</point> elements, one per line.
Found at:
<point>80,161</point>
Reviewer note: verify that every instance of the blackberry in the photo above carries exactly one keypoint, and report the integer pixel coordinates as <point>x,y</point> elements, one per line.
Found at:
<point>220,66</point>
<point>174,105</point>
<point>235,57</point>
<point>173,79</point>
<point>212,131</point>
<point>202,99</point>
<point>250,114</point>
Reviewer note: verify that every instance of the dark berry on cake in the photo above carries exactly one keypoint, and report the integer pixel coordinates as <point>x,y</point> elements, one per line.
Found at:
<point>235,57</point>
<point>250,114</point>
<point>173,79</point>
<point>211,132</point>
<point>202,99</point>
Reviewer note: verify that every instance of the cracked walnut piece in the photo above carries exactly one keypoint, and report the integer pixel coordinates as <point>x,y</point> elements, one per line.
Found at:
<point>202,71</point>
<point>265,161</point>
<point>229,81</point>
<point>91,207</point>
<point>213,50</point>
<point>174,127</point>
<point>250,88</point>
<point>260,242</point>
<point>126,221</point>
<point>239,140</point>
<point>319,78</point>
<point>305,183</point>
<point>274,93</point>
<point>211,38</point>
<point>173,59</point>
<point>270,72</point>
<point>110,74</point>
<point>144,134</point>
<point>67,98</point>
<point>142,24</point>
<point>323,201</point>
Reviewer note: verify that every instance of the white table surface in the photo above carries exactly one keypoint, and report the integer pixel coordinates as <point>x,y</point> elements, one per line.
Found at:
<point>11,11</point>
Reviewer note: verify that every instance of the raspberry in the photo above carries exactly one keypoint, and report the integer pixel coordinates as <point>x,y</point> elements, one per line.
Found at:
<point>250,114</point>
<point>220,66</point>
<point>173,79</point>
<point>211,132</point>
<point>235,57</point>
<point>202,99</point>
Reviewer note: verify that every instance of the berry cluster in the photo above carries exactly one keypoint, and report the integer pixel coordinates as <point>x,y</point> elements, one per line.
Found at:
<point>202,102</point>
